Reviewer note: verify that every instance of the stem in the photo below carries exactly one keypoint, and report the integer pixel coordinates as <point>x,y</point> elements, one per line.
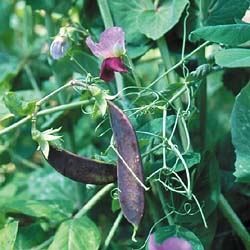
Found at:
<point>105,13</point>
<point>94,200</point>
<point>234,221</point>
<point>45,112</point>
<point>172,79</point>
<point>44,244</point>
<point>202,104</point>
<point>112,231</point>
<point>164,205</point>
<point>177,64</point>
<point>32,79</point>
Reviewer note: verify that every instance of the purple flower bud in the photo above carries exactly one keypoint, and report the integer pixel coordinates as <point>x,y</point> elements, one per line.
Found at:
<point>172,243</point>
<point>109,65</point>
<point>112,43</point>
<point>59,47</point>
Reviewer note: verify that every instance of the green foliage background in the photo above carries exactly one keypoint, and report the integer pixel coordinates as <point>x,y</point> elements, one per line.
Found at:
<point>207,44</point>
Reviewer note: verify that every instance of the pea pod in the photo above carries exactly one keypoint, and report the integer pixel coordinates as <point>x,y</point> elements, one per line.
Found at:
<point>129,167</point>
<point>81,169</point>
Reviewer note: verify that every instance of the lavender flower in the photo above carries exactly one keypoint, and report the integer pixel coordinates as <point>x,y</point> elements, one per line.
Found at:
<point>172,243</point>
<point>110,48</point>
<point>59,47</point>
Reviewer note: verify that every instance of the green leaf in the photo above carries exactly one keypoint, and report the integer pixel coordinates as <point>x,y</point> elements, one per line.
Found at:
<point>8,235</point>
<point>17,105</point>
<point>233,58</point>
<point>163,233</point>
<point>126,15</point>
<point>24,241</point>
<point>52,210</point>
<point>154,127</point>
<point>77,234</point>
<point>240,123</point>
<point>225,11</point>
<point>89,62</point>
<point>154,23</point>
<point>232,34</point>
<point>9,67</point>
<point>59,6</point>
<point>100,99</point>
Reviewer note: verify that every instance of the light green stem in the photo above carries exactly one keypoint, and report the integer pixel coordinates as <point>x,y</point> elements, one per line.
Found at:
<point>234,221</point>
<point>32,80</point>
<point>92,202</point>
<point>45,112</point>
<point>105,13</point>
<point>44,245</point>
<point>166,58</point>
<point>112,231</point>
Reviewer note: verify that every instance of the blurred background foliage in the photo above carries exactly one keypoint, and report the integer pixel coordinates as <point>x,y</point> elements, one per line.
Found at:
<point>36,201</point>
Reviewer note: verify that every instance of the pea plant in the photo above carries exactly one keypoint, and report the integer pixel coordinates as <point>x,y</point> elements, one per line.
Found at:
<point>124,125</point>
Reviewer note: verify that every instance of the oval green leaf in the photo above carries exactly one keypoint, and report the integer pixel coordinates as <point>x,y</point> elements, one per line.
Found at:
<point>240,123</point>
<point>233,58</point>
<point>232,34</point>
<point>77,234</point>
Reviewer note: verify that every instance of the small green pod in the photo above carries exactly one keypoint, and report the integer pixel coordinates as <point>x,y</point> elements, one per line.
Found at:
<point>81,169</point>
<point>131,192</point>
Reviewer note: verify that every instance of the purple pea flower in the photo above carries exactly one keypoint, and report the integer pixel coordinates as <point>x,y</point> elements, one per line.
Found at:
<point>110,48</point>
<point>59,47</point>
<point>172,243</point>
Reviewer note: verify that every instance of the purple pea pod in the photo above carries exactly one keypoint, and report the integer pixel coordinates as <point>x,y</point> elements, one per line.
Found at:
<point>129,167</point>
<point>81,169</point>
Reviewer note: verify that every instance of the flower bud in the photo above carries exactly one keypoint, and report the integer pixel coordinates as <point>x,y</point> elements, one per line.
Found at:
<point>59,47</point>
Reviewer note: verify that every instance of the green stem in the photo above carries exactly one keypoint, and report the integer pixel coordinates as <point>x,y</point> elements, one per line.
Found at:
<point>164,204</point>
<point>32,80</point>
<point>234,221</point>
<point>94,200</point>
<point>45,112</point>
<point>177,64</point>
<point>44,245</point>
<point>202,103</point>
<point>112,231</point>
<point>105,13</point>
<point>172,79</point>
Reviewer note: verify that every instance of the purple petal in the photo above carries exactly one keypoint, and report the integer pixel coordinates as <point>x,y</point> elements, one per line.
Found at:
<point>110,65</point>
<point>112,43</point>
<point>59,47</point>
<point>172,243</point>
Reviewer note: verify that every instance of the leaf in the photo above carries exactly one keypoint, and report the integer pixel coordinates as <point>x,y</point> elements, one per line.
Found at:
<point>89,62</point>
<point>24,241</point>
<point>126,15</point>
<point>232,34</point>
<point>58,6</point>
<point>225,11</point>
<point>240,123</point>
<point>17,105</point>
<point>77,234</point>
<point>9,67</point>
<point>163,233</point>
<point>233,58</point>
<point>100,100</point>
<point>154,23</point>
<point>8,235</point>
<point>52,210</point>
<point>155,127</point>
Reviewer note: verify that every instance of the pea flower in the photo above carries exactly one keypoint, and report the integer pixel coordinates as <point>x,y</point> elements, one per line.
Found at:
<point>110,49</point>
<point>59,47</point>
<point>172,243</point>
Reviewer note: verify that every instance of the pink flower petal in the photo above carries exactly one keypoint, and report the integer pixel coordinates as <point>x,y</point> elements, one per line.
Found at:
<point>109,65</point>
<point>112,43</point>
<point>172,243</point>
